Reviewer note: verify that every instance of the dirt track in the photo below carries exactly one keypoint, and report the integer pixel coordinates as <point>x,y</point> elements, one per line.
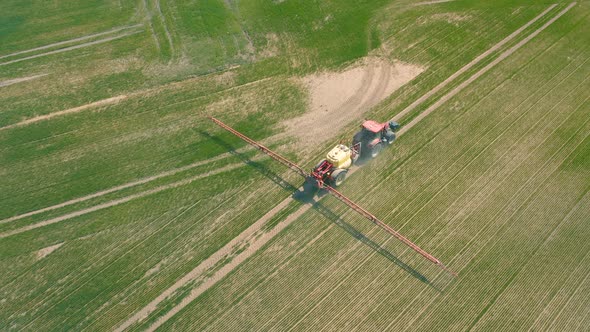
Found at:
<point>70,48</point>
<point>482,71</point>
<point>70,41</point>
<point>114,202</point>
<point>118,188</point>
<point>425,3</point>
<point>103,102</point>
<point>19,80</point>
<point>144,312</point>
<point>336,99</point>
<point>468,66</point>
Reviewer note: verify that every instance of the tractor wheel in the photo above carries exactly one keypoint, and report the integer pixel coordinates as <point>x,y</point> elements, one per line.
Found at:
<point>358,137</point>
<point>355,158</point>
<point>338,177</point>
<point>390,137</point>
<point>309,186</point>
<point>376,149</point>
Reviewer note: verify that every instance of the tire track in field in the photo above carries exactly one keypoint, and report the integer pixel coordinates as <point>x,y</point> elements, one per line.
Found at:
<point>468,66</point>
<point>19,80</point>
<point>118,201</point>
<point>153,11</point>
<point>166,31</point>
<point>65,42</point>
<point>100,103</point>
<point>210,262</point>
<point>484,70</point>
<point>144,312</point>
<point>71,48</point>
<point>121,187</point>
<point>35,302</point>
<point>435,2</point>
<point>124,299</point>
<point>116,99</point>
<point>148,18</point>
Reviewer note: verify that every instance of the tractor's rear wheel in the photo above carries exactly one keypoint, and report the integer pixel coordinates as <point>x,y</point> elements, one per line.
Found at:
<point>338,177</point>
<point>376,149</point>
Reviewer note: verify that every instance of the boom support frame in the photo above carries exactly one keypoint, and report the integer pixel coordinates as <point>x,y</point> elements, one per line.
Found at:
<point>296,168</point>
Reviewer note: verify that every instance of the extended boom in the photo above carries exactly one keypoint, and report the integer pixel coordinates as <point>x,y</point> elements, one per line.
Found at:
<point>338,195</point>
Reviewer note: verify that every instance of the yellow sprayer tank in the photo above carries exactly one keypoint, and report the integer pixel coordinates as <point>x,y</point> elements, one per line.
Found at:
<point>340,156</point>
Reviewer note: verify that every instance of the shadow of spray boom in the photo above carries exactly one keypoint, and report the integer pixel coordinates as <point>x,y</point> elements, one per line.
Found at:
<point>322,209</point>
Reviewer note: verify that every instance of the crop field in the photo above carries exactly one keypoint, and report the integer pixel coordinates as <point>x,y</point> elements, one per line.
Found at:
<point>123,208</point>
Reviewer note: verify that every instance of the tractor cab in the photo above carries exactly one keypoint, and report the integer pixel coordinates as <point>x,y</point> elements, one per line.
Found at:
<point>374,135</point>
<point>374,126</point>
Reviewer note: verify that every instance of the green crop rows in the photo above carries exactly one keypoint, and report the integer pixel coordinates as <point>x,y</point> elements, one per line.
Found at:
<point>109,208</point>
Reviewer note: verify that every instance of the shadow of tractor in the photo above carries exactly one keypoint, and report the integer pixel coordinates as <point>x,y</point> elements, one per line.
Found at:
<point>308,198</point>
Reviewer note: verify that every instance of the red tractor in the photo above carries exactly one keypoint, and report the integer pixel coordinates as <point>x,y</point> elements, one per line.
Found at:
<point>374,136</point>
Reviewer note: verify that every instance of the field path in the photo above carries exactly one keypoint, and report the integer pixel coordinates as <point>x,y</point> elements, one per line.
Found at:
<point>71,40</point>
<point>19,80</point>
<point>482,71</point>
<point>121,187</point>
<point>166,31</point>
<point>425,3</point>
<point>102,102</point>
<point>71,48</point>
<point>468,66</point>
<point>118,201</point>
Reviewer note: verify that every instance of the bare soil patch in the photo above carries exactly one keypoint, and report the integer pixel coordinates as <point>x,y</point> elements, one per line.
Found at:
<point>48,250</point>
<point>337,98</point>
<point>426,3</point>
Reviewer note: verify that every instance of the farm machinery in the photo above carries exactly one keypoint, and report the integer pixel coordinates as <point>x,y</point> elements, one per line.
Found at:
<point>367,143</point>
<point>329,172</point>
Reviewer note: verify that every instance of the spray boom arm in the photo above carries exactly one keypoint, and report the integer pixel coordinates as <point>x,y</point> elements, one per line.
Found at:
<point>337,194</point>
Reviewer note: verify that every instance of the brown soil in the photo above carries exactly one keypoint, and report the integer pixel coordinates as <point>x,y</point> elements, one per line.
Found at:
<point>425,3</point>
<point>46,251</point>
<point>337,98</point>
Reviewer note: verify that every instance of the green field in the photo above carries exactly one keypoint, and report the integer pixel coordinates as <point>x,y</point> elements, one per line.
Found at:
<point>123,208</point>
